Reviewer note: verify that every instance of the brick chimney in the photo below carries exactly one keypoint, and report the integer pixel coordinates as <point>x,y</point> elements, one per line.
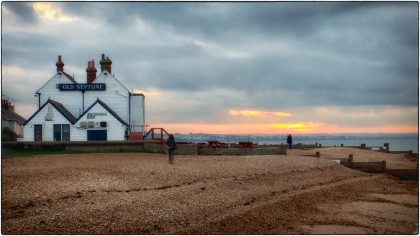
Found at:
<point>91,71</point>
<point>6,104</point>
<point>60,64</point>
<point>105,63</point>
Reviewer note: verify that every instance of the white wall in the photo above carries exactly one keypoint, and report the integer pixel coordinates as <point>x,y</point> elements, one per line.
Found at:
<point>115,130</point>
<point>137,113</point>
<point>47,126</point>
<point>72,100</point>
<point>115,95</point>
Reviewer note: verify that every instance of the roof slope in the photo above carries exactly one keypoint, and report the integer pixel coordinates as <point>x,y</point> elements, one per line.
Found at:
<point>70,77</point>
<point>63,111</point>
<point>59,107</point>
<point>115,78</point>
<point>11,115</point>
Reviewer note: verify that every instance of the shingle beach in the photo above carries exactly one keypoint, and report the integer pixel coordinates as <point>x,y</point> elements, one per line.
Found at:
<point>139,193</point>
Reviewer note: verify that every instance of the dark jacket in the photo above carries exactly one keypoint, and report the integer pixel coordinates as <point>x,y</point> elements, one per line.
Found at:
<point>289,139</point>
<point>171,143</point>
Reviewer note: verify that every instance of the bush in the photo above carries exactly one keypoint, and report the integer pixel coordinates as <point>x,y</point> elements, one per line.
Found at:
<point>8,135</point>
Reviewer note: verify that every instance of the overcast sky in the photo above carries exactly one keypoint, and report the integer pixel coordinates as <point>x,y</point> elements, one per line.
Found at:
<point>271,67</point>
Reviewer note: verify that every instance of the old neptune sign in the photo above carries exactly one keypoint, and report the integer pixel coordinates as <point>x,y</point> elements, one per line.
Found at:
<point>81,87</point>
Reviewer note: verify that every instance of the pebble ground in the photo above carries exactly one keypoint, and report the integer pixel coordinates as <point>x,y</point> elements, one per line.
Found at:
<point>138,193</point>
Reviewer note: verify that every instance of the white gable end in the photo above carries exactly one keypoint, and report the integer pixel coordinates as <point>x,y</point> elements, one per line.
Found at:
<point>116,96</point>
<point>47,117</point>
<point>70,99</point>
<point>97,115</point>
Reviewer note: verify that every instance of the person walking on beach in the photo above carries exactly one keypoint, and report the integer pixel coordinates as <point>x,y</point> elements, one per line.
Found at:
<point>289,141</point>
<point>171,148</point>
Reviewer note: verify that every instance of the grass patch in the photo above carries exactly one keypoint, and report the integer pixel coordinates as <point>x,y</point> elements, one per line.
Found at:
<point>29,153</point>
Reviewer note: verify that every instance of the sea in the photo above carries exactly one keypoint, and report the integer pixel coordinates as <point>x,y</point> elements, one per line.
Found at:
<point>397,142</point>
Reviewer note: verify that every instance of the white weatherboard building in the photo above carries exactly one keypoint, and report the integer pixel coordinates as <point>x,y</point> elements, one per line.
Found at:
<point>100,109</point>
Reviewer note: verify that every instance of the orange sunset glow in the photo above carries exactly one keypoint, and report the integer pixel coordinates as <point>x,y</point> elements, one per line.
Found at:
<point>256,113</point>
<point>281,128</point>
<point>328,120</point>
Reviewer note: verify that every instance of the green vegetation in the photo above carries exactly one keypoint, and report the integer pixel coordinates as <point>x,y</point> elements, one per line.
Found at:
<point>8,135</point>
<point>29,153</point>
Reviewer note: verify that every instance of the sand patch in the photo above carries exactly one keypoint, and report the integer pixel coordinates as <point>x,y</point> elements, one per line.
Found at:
<point>406,199</point>
<point>334,229</point>
<point>378,217</point>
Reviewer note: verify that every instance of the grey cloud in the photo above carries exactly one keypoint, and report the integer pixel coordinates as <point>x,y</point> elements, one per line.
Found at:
<point>22,10</point>
<point>29,49</point>
<point>345,54</point>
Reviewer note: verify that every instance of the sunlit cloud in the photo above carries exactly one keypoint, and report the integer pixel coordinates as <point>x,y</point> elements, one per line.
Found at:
<point>146,92</point>
<point>239,128</point>
<point>50,12</point>
<point>295,127</point>
<point>256,113</point>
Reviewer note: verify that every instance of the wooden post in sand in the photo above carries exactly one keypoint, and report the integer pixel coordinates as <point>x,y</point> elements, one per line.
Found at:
<point>363,145</point>
<point>386,147</point>
<point>342,145</point>
<point>320,145</point>
<point>383,166</point>
<point>350,159</point>
<point>317,154</point>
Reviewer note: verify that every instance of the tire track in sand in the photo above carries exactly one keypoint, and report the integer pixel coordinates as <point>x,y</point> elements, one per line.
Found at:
<point>268,199</point>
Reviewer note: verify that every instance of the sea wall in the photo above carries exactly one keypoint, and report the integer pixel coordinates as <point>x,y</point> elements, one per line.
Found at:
<point>281,150</point>
<point>182,149</point>
<point>116,146</point>
<point>137,146</point>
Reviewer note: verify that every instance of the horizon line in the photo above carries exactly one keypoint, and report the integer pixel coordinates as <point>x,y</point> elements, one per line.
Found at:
<point>301,134</point>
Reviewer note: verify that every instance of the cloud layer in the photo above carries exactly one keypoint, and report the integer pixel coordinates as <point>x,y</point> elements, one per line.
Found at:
<point>199,61</point>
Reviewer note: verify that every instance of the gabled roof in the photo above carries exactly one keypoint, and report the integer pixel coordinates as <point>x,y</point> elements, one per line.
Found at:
<point>106,71</point>
<point>11,115</point>
<point>63,111</point>
<point>59,108</point>
<point>65,75</point>
<point>69,77</point>
<point>104,105</point>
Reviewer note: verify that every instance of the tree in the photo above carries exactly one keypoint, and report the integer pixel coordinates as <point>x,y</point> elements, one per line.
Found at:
<point>8,135</point>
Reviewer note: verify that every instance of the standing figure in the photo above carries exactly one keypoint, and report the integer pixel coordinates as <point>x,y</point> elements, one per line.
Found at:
<point>171,148</point>
<point>289,141</point>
